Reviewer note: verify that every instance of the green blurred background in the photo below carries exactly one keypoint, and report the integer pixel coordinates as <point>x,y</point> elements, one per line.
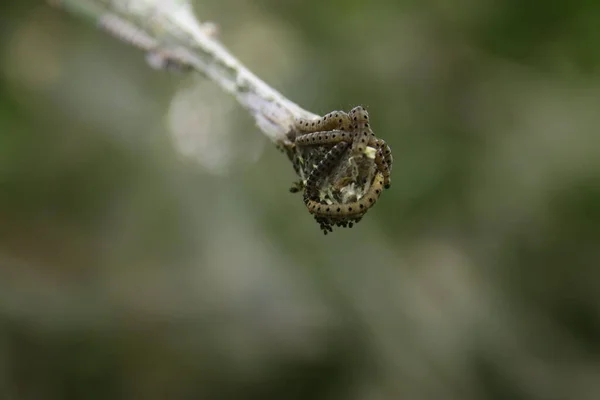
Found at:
<point>150,249</point>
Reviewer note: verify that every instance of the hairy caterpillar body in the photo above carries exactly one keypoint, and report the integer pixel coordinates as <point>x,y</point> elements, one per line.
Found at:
<point>324,167</point>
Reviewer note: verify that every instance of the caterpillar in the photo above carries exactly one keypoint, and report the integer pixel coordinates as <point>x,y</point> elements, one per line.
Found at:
<point>320,145</point>
<point>383,167</point>
<point>383,157</point>
<point>324,167</point>
<point>335,120</point>
<point>322,132</point>
<point>363,135</point>
<point>387,152</point>
<point>341,212</point>
<point>323,138</point>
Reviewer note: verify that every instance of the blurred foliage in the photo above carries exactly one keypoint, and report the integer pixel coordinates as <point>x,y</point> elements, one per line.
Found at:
<point>150,249</point>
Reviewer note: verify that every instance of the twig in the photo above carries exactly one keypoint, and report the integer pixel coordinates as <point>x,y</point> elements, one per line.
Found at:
<point>172,36</point>
<point>339,186</point>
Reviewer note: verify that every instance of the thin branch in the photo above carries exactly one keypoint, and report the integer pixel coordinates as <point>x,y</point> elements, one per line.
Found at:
<point>338,186</point>
<point>171,35</point>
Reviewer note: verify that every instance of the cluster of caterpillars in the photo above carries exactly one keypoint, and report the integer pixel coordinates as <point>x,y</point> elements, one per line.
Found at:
<point>343,166</point>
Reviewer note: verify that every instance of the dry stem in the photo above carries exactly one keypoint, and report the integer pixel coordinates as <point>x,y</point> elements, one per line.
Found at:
<point>170,30</point>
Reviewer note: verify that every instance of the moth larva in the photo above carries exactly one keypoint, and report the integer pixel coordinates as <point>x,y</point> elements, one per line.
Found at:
<point>323,138</point>
<point>324,167</point>
<point>357,208</point>
<point>336,120</point>
<point>387,152</point>
<point>383,167</point>
<point>363,134</point>
<point>332,189</point>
